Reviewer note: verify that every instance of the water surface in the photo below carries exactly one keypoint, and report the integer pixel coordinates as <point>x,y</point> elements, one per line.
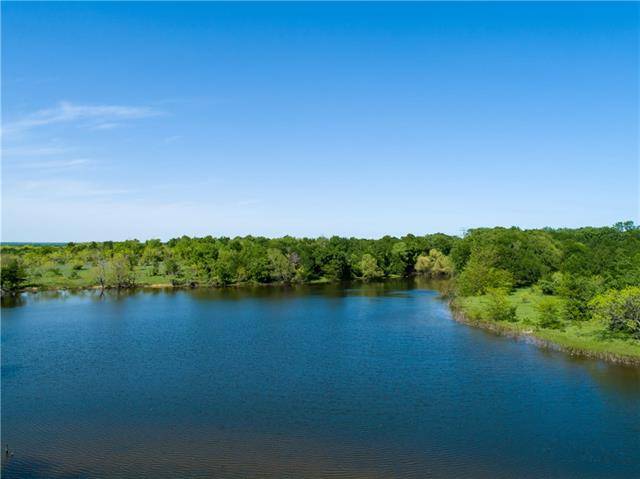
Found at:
<point>353,381</point>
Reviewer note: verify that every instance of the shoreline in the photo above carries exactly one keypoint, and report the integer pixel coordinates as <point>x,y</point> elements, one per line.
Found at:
<point>457,314</point>
<point>169,286</point>
<point>530,337</point>
<point>247,284</point>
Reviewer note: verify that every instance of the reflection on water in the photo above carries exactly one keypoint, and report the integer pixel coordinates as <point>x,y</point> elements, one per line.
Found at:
<point>352,380</point>
<point>374,288</point>
<point>616,379</point>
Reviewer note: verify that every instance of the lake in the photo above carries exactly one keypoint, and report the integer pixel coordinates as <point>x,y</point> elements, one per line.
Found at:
<point>344,381</point>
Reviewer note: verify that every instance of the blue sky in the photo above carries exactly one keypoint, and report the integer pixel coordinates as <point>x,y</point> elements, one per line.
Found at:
<point>146,120</point>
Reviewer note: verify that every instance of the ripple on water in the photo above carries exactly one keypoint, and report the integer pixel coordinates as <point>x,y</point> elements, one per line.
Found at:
<point>365,382</point>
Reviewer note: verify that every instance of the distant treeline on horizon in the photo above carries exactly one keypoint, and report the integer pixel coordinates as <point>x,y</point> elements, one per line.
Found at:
<point>33,243</point>
<point>622,225</point>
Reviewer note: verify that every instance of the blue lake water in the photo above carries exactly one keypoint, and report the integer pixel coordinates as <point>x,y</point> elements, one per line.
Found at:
<point>359,381</point>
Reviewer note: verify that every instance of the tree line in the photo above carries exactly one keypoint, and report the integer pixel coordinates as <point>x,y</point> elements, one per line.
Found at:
<point>223,261</point>
<point>595,270</point>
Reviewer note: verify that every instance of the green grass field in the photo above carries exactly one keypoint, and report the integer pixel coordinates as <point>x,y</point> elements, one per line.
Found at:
<point>587,336</point>
<point>65,276</point>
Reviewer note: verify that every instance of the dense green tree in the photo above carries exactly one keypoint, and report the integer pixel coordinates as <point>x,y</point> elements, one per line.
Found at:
<point>225,266</point>
<point>551,284</point>
<point>435,264</point>
<point>369,269</point>
<point>527,255</point>
<point>578,291</point>
<point>12,274</point>
<point>619,309</point>
<point>400,263</point>
<point>281,268</point>
<point>625,226</point>
<point>478,278</point>
<point>120,273</point>
<point>549,313</point>
<point>498,306</point>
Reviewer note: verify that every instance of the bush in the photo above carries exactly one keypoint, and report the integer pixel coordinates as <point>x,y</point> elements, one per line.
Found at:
<point>282,269</point>
<point>12,274</point>
<point>499,308</point>
<point>77,265</point>
<point>550,284</point>
<point>619,309</point>
<point>549,313</point>
<point>54,271</point>
<point>576,310</point>
<point>579,290</point>
<point>525,297</point>
<point>120,273</point>
<point>475,314</point>
<point>435,264</point>
<point>478,278</point>
<point>171,266</point>
<point>369,268</point>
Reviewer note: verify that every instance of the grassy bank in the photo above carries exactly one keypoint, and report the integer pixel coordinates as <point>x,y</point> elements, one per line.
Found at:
<point>66,276</point>
<point>586,338</point>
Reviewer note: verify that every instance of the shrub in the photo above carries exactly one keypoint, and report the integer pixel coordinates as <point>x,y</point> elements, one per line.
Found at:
<point>550,284</point>
<point>549,313</point>
<point>579,290</point>
<point>369,268</point>
<point>171,266</point>
<point>54,271</point>
<point>281,268</point>
<point>435,264</point>
<point>478,278</point>
<point>499,308</point>
<point>619,309</point>
<point>77,265</point>
<point>120,273</point>
<point>12,274</point>
<point>475,314</point>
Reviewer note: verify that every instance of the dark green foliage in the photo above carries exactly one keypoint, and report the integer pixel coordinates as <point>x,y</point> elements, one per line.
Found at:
<point>527,255</point>
<point>573,264</point>
<point>485,258</point>
<point>547,286</point>
<point>12,275</point>
<point>578,291</point>
<point>611,253</point>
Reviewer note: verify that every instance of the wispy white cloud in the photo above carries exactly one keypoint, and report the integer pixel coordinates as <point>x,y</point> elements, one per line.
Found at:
<point>57,164</point>
<point>33,151</point>
<point>62,188</point>
<point>106,126</point>
<point>92,116</point>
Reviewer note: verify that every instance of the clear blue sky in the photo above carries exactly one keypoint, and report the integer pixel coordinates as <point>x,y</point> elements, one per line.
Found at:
<point>146,120</point>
